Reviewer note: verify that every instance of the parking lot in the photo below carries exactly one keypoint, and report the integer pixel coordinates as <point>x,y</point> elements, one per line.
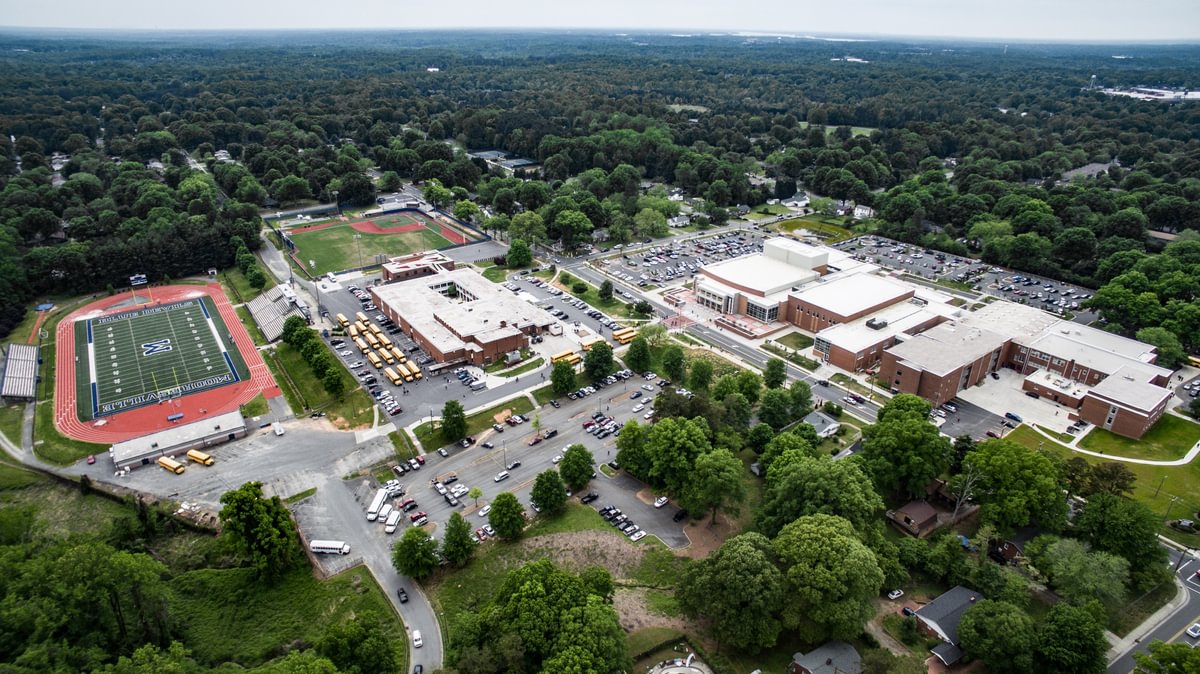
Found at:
<point>1053,296</point>
<point>509,449</point>
<point>661,264</point>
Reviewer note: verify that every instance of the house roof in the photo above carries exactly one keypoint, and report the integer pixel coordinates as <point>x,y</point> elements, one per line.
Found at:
<point>833,657</point>
<point>947,653</point>
<point>943,614</point>
<point>918,511</point>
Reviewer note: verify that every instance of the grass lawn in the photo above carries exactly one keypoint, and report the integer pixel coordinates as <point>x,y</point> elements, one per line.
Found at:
<point>12,421</point>
<point>251,327</point>
<point>343,247</point>
<point>1128,616</point>
<point>612,307</point>
<point>1062,437</point>
<point>354,410</point>
<point>645,640</point>
<point>795,358</point>
<point>527,366</point>
<point>955,285</point>
<point>755,216</point>
<point>796,340</point>
<point>238,288</point>
<point>233,616</point>
<point>1180,482</point>
<point>1168,440</point>
<point>495,274</point>
<point>456,590</point>
<point>296,498</point>
<point>854,130</point>
<point>256,407</point>
<point>13,476</point>
<point>773,209</point>
<point>403,445</point>
<point>545,394</point>
<point>475,422</point>
<point>828,229</point>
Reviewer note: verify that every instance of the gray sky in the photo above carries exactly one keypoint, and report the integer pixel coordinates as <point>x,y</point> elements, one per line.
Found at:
<point>1092,20</point>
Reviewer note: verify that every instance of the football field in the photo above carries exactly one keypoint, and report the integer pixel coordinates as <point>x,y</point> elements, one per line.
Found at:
<point>139,357</point>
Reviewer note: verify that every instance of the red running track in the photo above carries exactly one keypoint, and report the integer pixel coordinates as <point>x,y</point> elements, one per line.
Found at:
<point>151,418</point>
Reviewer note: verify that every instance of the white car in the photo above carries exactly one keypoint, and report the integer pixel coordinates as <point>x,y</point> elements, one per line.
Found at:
<point>1194,631</point>
<point>485,510</point>
<point>648,415</point>
<point>895,594</point>
<point>638,535</point>
<point>639,407</point>
<point>556,459</point>
<point>647,387</point>
<point>345,352</point>
<point>660,501</point>
<point>357,363</point>
<point>502,475</point>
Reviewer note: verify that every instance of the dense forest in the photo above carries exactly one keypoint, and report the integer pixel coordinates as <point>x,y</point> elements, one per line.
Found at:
<point>113,159</point>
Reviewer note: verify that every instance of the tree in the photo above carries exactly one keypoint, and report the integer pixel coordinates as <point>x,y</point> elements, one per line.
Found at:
<point>549,493</point>
<point>776,408</point>
<point>1163,658</point>
<point>671,447</point>
<point>507,516</point>
<point>775,373</point>
<point>454,421</point>
<point>715,484</point>
<point>457,546</point>
<point>650,223</point>
<point>904,405</point>
<point>631,449</point>
<point>831,578</point>
<point>359,645</point>
<point>643,308</point>
<point>802,401</point>
<point>598,362</point>
<point>739,589</point>
<point>1171,353</point>
<point>638,355</point>
<point>1071,640</point>
<point>415,554</point>
<point>575,227</point>
<point>261,527</point>
<point>749,384</point>
<point>700,375</point>
<point>673,362</point>
<point>606,291</point>
<point>333,383</point>
<point>1017,486</point>
<point>518,254</point>
<point>527,226</point>
<point>1126,528</point>
<point>562,378</point>
<point>1110,477</point>
<point>903,453</point>
<point>1000,634</point>
<point>577,466</point>
<point>759,435</point>
<point>655,334</point>
<point>800,484</point>
<point>474,493</point>
<point>1081,576</point>
<point>466,210</point>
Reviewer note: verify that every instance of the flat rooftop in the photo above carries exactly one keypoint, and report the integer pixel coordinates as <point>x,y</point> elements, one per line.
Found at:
<point>758,274</point>
<point>1012,319</point>
<point>944,348</point>
<point>1128,391</point>
<point>853,293</point>
<point>482,311</point>
<point>856,335</point>
<point>166,439</point>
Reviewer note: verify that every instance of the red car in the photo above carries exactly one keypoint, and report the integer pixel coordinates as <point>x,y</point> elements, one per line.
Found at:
<point>417,516</point>
<point>408,504</point>
<point>481,534</point>
<point>534,440</point>
<point>589,423</point>
<point>91,459</point>
<point>420,459</point>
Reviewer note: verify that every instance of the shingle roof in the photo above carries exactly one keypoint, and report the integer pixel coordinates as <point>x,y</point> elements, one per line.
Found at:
<point>944,613</point>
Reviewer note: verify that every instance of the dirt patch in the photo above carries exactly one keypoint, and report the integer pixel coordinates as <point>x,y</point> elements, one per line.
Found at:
<point>578,550</point>
<point>704,538</point>
<point>634,613</point>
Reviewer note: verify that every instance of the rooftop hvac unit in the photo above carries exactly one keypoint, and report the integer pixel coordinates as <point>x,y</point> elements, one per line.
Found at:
<point>876,323</point>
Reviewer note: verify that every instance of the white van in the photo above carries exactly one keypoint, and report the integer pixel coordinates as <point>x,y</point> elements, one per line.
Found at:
<point>385,512</point>
<point>393,520</point>
<point>277,427</point>
<point>417,640</point>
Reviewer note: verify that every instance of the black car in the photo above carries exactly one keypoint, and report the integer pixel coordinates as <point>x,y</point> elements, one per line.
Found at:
<point>589,497</point>
<point>614,465</point>
<point>680,516</point>
<point>402,594</point>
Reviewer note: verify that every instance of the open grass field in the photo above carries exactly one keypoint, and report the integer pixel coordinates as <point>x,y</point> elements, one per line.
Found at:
<point>854,130</point>
<point>1172,491</point>
<point>1168,440</point>
<point>139,357</point>
<point>829,229</point>
<point>344,246</point>
<point>431,439</point>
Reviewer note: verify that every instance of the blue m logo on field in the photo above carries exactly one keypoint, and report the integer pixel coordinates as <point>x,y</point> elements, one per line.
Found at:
<point>160,346</point>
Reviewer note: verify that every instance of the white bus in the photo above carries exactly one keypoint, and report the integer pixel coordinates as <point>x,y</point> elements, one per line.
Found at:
<point>329,547</point>
<point>376,505</point>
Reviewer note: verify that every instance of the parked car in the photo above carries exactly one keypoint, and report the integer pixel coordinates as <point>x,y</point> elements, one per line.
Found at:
<point>895,594</point>
<point>660,501</point>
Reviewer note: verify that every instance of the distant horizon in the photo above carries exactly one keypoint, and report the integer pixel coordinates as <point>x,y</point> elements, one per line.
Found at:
<point>832,37</point>
<point>1057,21</point>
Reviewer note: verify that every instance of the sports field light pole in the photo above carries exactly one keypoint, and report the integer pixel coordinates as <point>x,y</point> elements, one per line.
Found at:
<point>358,248</point>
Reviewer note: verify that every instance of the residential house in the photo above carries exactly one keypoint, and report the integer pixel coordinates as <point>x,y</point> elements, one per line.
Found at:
<point>679,221</point>
<point>863,212</point>
<point>940,618</point>
<point>915,518</point>
<point>834,657</point>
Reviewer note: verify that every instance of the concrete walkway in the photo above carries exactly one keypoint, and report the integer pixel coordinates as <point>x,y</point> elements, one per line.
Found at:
<point>1118,646</point>
<point>1074,446</point>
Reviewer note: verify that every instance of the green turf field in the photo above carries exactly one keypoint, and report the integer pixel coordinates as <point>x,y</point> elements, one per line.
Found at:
<point>135,358</point>
<point>335,248</point>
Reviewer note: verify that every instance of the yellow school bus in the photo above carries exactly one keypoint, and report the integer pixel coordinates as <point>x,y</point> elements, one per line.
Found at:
<point>200,457</point>
<point>374,360</point>
<point>559,357</point>
<point>592,341</point>
<point>362,346</point>
<point>361,325</point>
<point>171,465</point>
<point>371,339</point>
<point>384,340</point>
<point>392,376</point>
<point>353,330</point>
<point>343,321</point>
<point>362,317</point>
<point>625,335</point>
<point>386,356</point>
<point>375,329</point>
<point>402,369</point>
<point>400,357</point>
<point>414,369</point>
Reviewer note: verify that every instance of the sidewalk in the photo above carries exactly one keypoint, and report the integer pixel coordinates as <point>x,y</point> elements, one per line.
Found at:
<point>1118,646</point>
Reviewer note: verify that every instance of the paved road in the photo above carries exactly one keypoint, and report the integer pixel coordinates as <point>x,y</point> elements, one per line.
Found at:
<point>1171,629</point>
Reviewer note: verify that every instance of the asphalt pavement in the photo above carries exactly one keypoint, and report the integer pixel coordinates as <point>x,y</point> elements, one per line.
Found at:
<point>1169,628</point>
